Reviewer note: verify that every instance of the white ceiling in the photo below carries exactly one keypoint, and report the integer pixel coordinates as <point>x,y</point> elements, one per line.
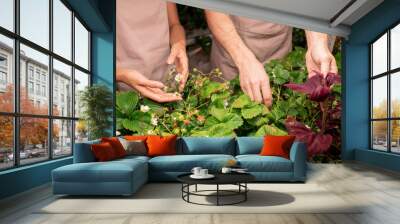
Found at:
<point>328,16</point>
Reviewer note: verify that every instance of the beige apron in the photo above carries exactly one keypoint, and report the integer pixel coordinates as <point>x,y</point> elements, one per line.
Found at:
<point>266,40</point>
<point>143,37</point>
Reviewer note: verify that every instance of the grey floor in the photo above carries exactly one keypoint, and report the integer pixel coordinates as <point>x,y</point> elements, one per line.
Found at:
<point>377,188</point>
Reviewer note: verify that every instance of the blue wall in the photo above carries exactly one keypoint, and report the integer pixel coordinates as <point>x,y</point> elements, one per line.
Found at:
<point>355,122</point>
<point>103,62</point>
<point>99,15</point>
<point>24,178</point>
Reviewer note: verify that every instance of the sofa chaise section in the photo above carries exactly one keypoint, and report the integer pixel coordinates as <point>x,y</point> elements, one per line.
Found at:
<point>87,177</point>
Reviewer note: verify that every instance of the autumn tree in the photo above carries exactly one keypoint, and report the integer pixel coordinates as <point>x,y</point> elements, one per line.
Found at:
<point>33,131</point>
<point>380,127</point>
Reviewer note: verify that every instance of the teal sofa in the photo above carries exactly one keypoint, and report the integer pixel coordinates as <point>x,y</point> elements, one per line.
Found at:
<point>125,176</point>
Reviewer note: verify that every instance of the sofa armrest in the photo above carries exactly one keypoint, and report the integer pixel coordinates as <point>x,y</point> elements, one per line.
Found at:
<point>83,152</point>
<point>298,155</point>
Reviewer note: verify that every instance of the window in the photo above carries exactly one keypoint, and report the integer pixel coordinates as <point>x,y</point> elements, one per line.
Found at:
<point>6,142</point>
<point>44,77</point>
<point>38,74</point>
<point>62,137</point>
<point>34,21</point>
<point>30,87</point>
<point>62,74</point>
<point>47,76</point>
<point>7,14</point>
<point>3,72</point>
<point>3,78</point>
<point>37,89</point>
<point>3,61</point>
<point>30,72</point>
<point>62,31</point>
<point>44,91</point>
<point>385,94</point>
<point>81,45</point>
<point>6,73</point>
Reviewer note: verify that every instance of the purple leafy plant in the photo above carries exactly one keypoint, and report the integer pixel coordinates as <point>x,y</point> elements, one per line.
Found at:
<point>318,89</point>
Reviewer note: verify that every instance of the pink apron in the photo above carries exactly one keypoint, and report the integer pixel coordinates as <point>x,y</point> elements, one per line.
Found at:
<point>143,37</point>
<point>266,40</point>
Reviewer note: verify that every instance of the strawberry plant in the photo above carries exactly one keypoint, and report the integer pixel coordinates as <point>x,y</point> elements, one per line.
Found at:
<point>212,108</point>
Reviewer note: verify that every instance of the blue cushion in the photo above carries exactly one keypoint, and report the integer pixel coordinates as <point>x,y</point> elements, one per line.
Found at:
<point>257,163</point>
<point>207,145</point>
<point>83,152</point>
<point>185,163</point>
<point>249,145</point>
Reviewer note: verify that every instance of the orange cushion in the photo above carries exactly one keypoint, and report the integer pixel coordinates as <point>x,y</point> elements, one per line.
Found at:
<point>277,145</point>
<point>161,145</point>
<point>103,152</point>
<point>135,137</point>
<point>116,145</point>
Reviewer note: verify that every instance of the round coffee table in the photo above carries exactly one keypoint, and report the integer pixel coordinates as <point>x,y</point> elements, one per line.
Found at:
<point>238,179</point>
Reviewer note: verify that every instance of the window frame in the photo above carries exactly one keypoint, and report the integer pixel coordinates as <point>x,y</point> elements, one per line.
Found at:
<point>388,74</point>
<point>16,114</point>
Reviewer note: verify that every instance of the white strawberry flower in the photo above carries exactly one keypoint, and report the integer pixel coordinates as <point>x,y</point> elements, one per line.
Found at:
<point>178,77</point>
<point>144,108</point>
<point>226,104</point>
<point>117,133</point>
<point>154,120</point>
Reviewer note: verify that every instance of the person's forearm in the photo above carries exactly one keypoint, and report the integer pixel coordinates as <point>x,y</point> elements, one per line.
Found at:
<point>176,30</point>
<point>317,39</point>
<point>177,35</point>
<point>122,75</point>
<point>225,33</point>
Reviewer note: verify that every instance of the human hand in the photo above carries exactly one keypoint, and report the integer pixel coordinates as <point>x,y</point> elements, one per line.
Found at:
<point>179,57</point>
<point>147,88</point>
<point>319,58</point>
<point>254,81</point>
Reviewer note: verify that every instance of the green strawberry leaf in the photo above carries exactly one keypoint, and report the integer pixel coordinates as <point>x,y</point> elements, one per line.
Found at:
<point>252,111</point>
<point>242,101</point>
<point>270,130</point>
<point>127,101</point>
<point>210,88</point>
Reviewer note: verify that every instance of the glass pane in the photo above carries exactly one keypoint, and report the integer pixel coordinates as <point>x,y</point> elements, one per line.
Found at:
<point>35,21</point>
<point>81,131</point>
<point>62,29</point>
<point>81,45</point>
<point>379,97</point>
<point>395,132</point>
<point>33,139</point>
<point>379,55</point>
<point>395,47</point>
<point>6,74</point>
<point>6,142</point>
<point>379,135</point>
<point>395,94</point>
<point>62,89</point>
<point>7,14</point>
<point>62,138</point>
<point>81,81</point>
<point>34,97</point>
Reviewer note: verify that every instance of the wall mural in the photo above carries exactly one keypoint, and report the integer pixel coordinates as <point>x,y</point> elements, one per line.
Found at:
<point>193,72</point>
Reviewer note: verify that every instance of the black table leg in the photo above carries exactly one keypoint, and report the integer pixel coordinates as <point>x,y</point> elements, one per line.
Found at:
<point>245,193</point>
<point>188,190</point>
<point>217,194</point>
<point>196,187</point>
